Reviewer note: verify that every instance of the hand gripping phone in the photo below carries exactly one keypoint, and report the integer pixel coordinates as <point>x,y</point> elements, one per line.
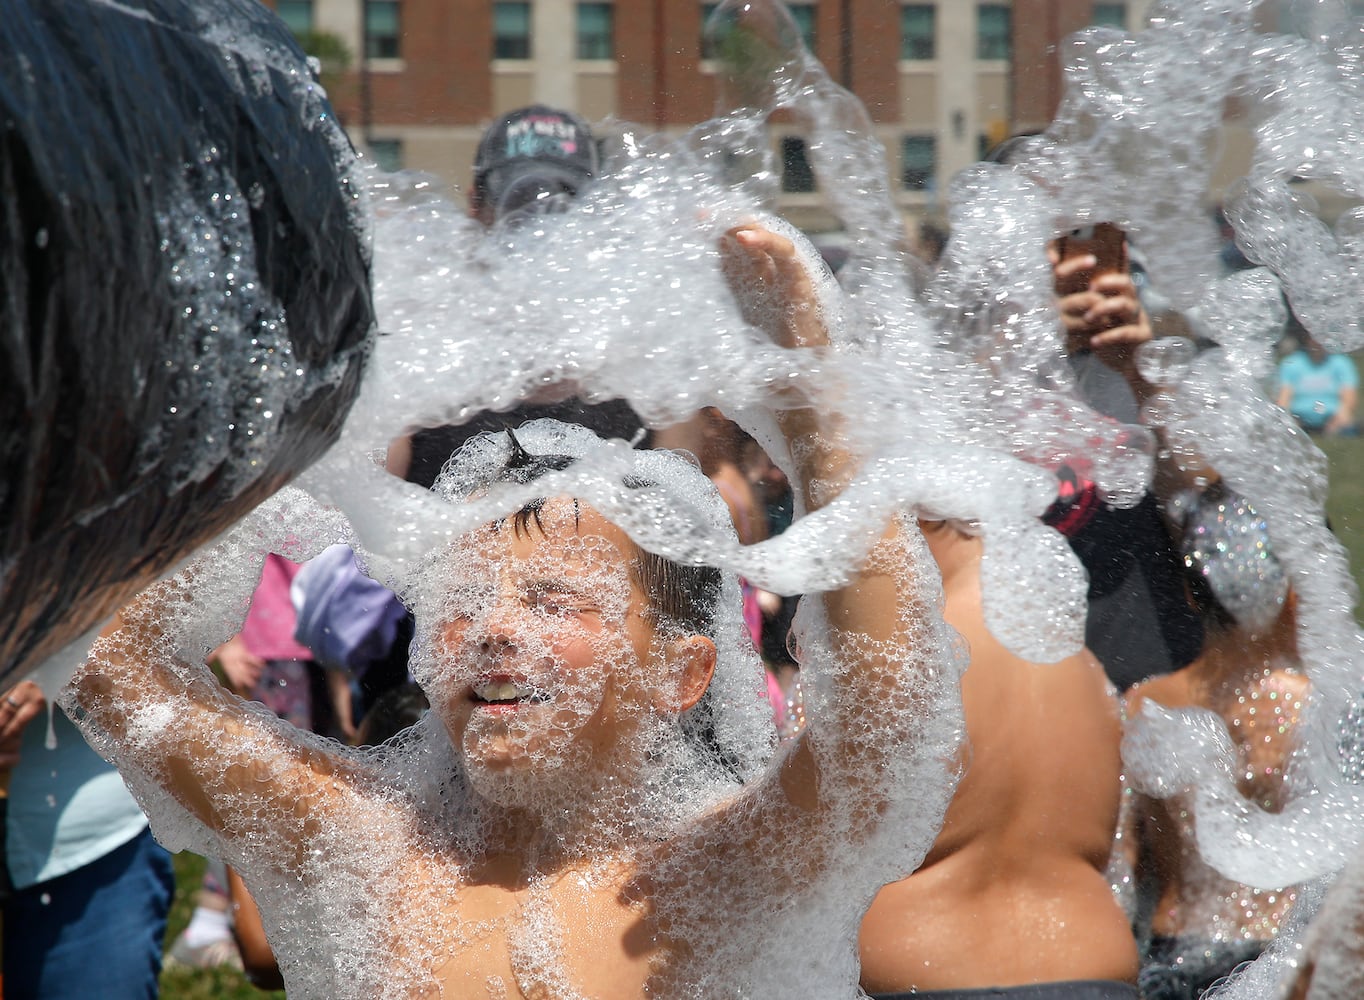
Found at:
<point>1105,241</point>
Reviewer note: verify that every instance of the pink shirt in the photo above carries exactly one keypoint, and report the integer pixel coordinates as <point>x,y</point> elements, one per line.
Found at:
<point>269,627</point>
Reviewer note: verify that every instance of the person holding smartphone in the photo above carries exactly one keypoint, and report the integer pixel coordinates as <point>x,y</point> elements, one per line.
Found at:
<point>1139,624</point>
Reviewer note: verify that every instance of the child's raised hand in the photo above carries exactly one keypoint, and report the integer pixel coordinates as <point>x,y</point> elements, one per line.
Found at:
<point>774,289</point>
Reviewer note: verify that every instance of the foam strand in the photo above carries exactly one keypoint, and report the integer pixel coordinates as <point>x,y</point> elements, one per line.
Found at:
<point>1169,752</point>
<point>994,295</point>
<point>1310,97</point>
<point>881,316</point>
<point>1331,943</point>
<point>622,296</point>
<point>1273,973</point>
<point>1218,414</point>
<point>1129,116</point>
<point>434,359</point>
<point>1134,143</point>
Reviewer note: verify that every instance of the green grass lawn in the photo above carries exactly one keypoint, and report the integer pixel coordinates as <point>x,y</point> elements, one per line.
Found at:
<point>199,984</point>
<point>1345,502</point>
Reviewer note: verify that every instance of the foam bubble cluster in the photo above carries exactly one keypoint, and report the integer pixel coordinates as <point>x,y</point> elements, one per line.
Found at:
<point>958,401</point>
<point>550,747</point>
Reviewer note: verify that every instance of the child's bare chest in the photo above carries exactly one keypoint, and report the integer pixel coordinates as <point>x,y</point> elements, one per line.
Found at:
<point>583,932</point>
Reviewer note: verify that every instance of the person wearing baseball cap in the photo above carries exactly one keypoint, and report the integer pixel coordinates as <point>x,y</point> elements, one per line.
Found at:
<point>530,162</point>
<point>533,160</point>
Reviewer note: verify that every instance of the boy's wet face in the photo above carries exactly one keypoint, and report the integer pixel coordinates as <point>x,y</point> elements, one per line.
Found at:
<point>544,648</point>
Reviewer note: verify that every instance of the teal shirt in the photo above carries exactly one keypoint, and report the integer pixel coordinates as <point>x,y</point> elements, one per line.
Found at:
<point>67,806</point>
<point>1316,387</point>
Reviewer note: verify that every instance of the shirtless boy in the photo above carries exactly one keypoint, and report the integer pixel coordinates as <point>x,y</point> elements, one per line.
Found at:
<point>1251,676</point>
<point>1013,893</point>
<point>530,840</point>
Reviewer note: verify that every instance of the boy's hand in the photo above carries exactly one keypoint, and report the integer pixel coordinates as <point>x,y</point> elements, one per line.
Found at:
<point>770,280</point>
<point>772,286</point>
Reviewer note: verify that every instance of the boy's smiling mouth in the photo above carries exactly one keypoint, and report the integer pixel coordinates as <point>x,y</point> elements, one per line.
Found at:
<point>506,693</point>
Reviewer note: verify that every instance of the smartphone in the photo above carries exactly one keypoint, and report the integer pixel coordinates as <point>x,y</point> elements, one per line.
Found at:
<point>1105,241</point>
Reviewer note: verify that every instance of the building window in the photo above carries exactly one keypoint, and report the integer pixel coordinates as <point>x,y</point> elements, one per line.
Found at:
<point>918,23</point>
<point>382,29</point>
<point>596,27</point>
<point>297,15</point>
<point>804,16</point>
<point>1111,15</point>
<point>918,162</point>
<point>796,173</point>
<point>511,31</point>
<point>992,31</point>
<point>387,154</point>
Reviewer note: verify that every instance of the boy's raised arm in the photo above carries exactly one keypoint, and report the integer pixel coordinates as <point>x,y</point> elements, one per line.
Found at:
<point>889,652</point>
<point>776,293</point>
<point>180,730</point>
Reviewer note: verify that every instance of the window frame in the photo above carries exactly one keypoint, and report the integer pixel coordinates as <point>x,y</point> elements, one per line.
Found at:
<point>809,31</point>
<point>932,11</point>
<point>982,53</point>
<point>284,6</point>
<point>1119,8</point>
<point>925,140</point>
<point>808,182</point>
<point>526,50</point>
<point>374,40</point>
<point>388,154</point>
<point>704,52</point>
<point>610,34</point>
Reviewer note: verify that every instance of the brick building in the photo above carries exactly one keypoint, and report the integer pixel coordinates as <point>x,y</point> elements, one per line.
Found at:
<point>943,80</point>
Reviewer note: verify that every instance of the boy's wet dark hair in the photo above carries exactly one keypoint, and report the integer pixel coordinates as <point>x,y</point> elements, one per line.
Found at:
<point>1235,580</point>
<point>1205,602</point>
<point>1011,149</point>
<point>681,595</point>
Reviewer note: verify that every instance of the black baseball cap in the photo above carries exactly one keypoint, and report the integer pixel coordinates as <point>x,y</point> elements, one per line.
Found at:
<point>533,158</point>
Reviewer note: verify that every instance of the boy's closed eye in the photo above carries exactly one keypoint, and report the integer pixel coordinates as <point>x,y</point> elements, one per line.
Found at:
<point>562,600</point>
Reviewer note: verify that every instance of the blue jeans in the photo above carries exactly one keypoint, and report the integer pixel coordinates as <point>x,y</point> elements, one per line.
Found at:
<point>94,932</point>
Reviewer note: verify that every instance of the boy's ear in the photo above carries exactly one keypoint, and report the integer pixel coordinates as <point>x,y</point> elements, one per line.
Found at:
<point>691,659</point>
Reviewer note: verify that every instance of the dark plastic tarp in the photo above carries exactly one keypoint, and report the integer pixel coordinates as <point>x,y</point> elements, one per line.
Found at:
<point>184,293</point>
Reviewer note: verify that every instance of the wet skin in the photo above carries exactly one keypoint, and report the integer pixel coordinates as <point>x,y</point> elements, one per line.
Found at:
<point>1014,890</point>
<point>546,684</point>
<point>547,641</point>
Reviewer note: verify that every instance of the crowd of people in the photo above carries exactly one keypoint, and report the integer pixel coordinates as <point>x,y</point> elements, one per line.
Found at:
<point>1047,876</point>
